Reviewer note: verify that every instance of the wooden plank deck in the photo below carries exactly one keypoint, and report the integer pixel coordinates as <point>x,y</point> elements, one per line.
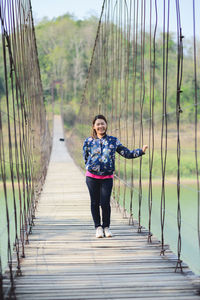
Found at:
<point>64,260</point>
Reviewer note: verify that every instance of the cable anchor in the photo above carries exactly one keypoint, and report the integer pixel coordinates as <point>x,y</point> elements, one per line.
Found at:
<point>179,265</point>
<point>162,252</point>
<point>149,240</point>
<point>139,229</point>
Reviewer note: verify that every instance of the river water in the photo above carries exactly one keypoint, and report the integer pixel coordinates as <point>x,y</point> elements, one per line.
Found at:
<point>190,252</point>
<point>3,223</point>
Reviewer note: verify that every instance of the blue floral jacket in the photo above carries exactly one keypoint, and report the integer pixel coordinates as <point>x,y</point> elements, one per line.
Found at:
<point>99,154</point>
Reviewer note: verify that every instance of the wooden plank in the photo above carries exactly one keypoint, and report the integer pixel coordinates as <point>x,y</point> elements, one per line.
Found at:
<point>64,260</point>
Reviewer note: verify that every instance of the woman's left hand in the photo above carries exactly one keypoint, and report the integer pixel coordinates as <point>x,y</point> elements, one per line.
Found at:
<point>144,148</point>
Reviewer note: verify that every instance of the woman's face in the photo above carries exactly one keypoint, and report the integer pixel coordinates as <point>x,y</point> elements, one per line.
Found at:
<point>100,126</point>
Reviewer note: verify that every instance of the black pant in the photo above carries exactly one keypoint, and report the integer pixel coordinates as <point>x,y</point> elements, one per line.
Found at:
<point>100,192</point>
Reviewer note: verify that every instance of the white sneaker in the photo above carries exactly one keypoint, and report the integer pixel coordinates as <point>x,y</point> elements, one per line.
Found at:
<point>107,232</point>
<point>99,232</point>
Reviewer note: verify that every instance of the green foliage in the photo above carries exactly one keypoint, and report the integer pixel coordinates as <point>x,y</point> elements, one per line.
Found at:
<point>65,47</point>
<point>64,50</point>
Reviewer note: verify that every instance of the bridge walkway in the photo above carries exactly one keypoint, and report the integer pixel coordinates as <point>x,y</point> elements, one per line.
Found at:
<point>64,260</point>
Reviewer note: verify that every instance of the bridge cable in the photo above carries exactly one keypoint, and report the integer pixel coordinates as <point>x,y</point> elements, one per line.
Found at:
<point>141,101</point>
<point>178,112</point>
<point>131,67</point>
<point>26,127</point>
<point>196,123</point>
<point>151,113</point>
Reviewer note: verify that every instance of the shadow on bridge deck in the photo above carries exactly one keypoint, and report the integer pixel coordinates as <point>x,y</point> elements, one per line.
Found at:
<point>64,260</point>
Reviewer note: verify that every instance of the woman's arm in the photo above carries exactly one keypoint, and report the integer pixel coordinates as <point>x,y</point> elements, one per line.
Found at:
<point>125,152</point>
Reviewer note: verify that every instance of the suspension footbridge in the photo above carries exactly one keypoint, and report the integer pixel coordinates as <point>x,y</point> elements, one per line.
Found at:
<point>48,248</point>
<point>64,260</point>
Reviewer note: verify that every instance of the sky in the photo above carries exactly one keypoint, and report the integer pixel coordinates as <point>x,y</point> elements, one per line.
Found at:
<point>80,8</point>
<point>84,8</point>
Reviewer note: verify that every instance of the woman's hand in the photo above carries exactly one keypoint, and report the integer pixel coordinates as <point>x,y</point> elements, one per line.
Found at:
<point>144,148</point>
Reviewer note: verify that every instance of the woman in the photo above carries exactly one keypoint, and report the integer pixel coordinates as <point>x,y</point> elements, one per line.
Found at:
<point>99,156</point>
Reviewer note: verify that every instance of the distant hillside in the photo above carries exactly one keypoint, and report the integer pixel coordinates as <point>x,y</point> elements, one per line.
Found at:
<point>64,48</point>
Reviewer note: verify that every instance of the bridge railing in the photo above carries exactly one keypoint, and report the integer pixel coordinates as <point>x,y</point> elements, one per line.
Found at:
<point>25,139</point>
<point>143,77</point>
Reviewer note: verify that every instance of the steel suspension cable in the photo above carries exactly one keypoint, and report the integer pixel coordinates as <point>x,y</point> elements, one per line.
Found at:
<point>151,119</point>
<point>126,91</point>
<point>131,222</point>
<point>118,85</point>
<point>164,131</point>
<point>196,123</point>
<point>178,112</point>
<point>127,88</point>
<point>135,55</point>
<point>142,97</point>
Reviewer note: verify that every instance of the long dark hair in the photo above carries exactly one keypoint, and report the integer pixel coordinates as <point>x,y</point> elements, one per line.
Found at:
<point>94,134</point>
